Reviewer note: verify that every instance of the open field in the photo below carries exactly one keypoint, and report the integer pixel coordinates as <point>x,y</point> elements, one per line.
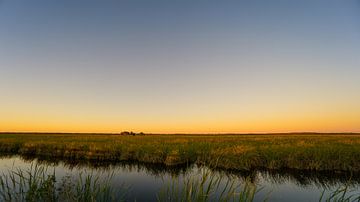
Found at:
<point>240,152</point>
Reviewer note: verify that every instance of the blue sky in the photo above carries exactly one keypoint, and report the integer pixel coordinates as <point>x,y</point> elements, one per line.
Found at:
<point>180,66</point>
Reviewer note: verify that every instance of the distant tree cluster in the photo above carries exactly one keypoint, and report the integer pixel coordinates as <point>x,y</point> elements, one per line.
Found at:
<point>131,133</point>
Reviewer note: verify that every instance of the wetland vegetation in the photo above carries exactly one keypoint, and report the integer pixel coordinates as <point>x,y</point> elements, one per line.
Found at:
<point>44,181</point>
<point>332,152</point>
<point>180,167</point>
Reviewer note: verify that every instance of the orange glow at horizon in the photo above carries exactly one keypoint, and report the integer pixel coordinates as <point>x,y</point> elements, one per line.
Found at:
<point>315,114</point>
<point>230,124</point>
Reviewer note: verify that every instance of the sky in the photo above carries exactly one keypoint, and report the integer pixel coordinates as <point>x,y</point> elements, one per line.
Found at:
<point>180,66</point>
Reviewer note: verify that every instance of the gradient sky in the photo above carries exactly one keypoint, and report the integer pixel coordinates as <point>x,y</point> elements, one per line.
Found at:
<point>180,66</point>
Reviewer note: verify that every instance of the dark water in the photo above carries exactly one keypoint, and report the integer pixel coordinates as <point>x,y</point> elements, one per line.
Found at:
<point>144,181</point>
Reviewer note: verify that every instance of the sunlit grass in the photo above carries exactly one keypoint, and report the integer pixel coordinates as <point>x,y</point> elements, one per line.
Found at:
<point>241,152</point>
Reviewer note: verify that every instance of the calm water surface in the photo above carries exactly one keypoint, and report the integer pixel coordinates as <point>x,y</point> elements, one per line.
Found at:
<point>143,182</point>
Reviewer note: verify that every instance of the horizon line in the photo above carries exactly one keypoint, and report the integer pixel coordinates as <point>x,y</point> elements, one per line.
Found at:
<point>183,133</point>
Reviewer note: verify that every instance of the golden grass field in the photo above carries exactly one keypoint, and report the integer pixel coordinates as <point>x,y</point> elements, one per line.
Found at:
<point>336,152</point>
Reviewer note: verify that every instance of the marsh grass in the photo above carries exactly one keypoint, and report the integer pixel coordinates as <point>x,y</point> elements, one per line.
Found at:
<point>342,194</point>
<point>208,186</point>
<point>38,184</point>
<point>318,152</point>
<point>314,152</point>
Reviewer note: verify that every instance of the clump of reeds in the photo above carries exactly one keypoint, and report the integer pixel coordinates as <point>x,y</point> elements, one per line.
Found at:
<point>208,186</point>
<point>37,184</point>
<point>341,194</point>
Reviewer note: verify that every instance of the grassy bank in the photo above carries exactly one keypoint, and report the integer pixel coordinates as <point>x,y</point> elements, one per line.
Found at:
<point>240,152</point>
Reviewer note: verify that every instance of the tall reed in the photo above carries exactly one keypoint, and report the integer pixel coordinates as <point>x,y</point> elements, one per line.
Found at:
<point>207,186</point>
<point>342,194</point>
<point>38,184</point>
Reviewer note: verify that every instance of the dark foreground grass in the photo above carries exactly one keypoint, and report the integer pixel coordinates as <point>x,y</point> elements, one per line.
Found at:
<point>37,184</point>
<point>208,186</point>
<point>240,152</point>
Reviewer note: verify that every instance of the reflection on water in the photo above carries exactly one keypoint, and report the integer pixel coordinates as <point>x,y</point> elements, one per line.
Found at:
<point>146,180</point>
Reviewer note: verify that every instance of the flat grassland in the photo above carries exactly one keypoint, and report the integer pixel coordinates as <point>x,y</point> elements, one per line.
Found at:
<point>335,152</point>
